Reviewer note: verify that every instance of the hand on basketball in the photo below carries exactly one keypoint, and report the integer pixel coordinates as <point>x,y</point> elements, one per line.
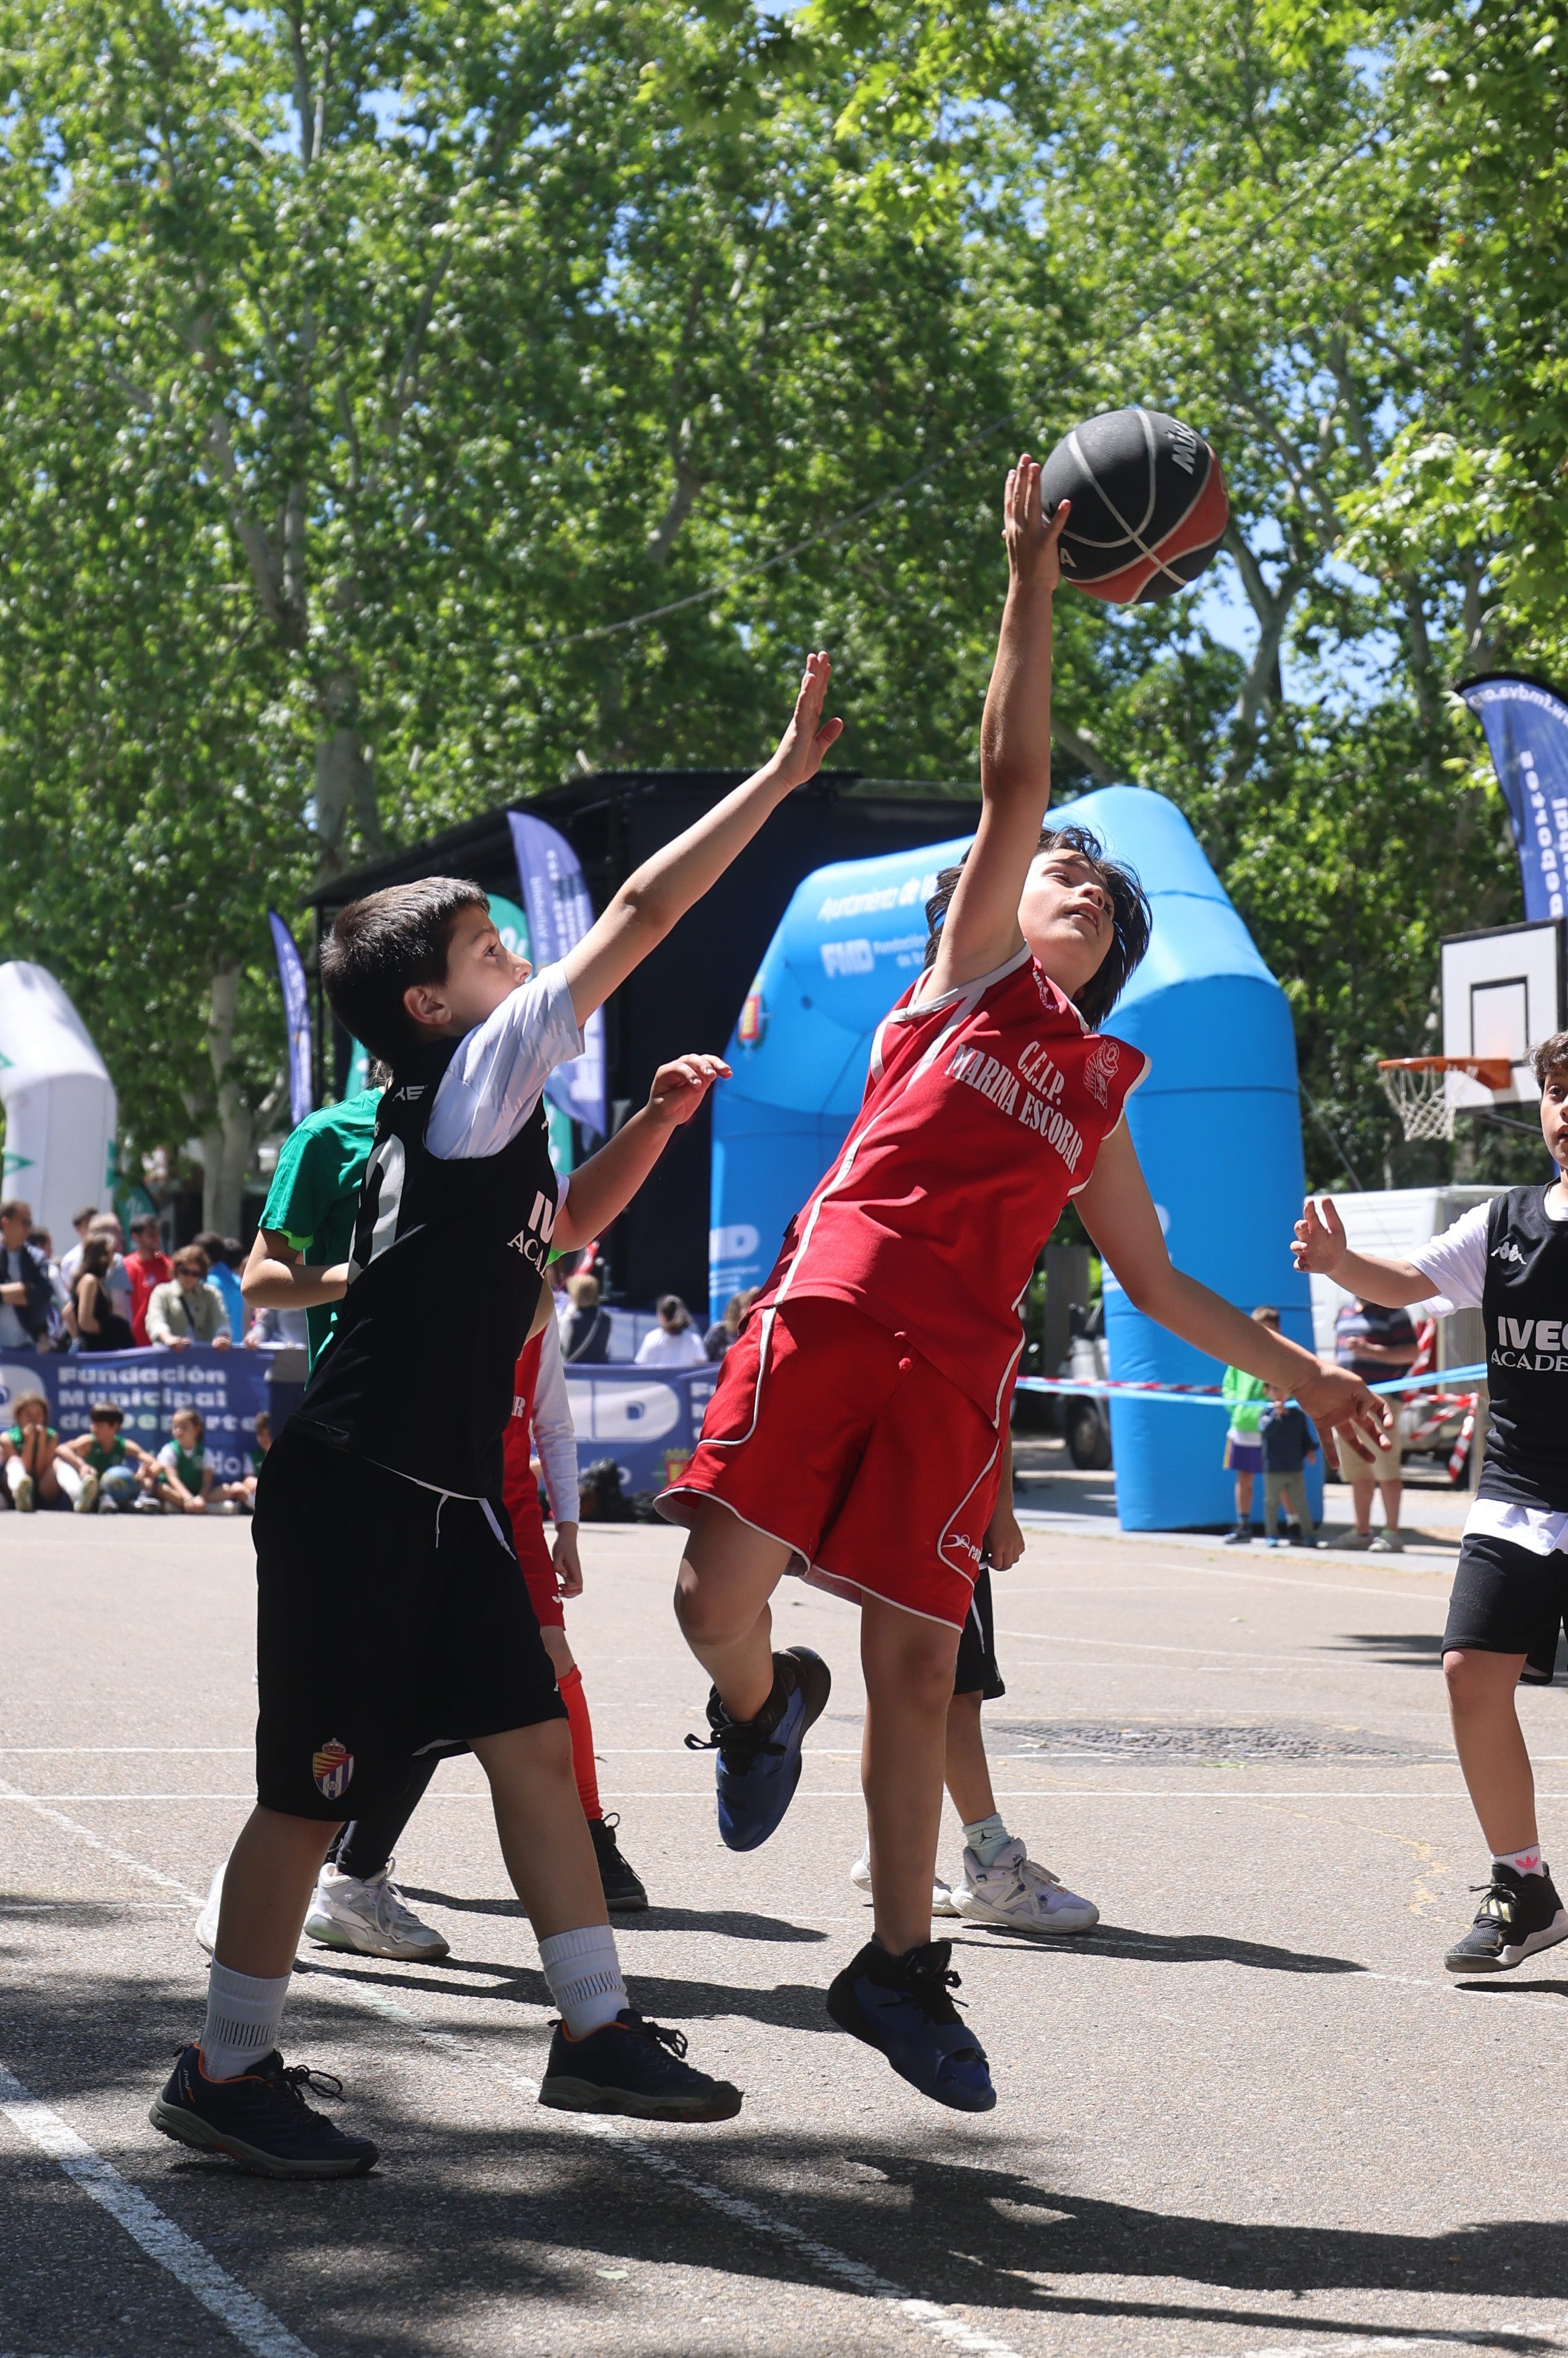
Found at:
<point>808,736</point>
<point>1032,538</point>
<point>1333,1397</point>
<point>1321,1243</point>
<point>679,1088</point>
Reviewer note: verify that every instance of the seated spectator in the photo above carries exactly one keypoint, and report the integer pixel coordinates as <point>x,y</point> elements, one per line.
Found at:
<point>103,1455</point>
<point>185,1309</point>
<point>674,1341</point>
<point>147,1266</point>
<point>183,1479</point>
<point>26,1289</point>
<point>224,1256</point>
<point>723,1331</point>
<point>244,1490</point>
<point>586,1341</point>
<point>93,1318</point>
<point>37,1474</point>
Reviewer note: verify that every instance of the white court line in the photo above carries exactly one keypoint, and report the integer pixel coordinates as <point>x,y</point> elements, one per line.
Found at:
<point>808,1793</point>
<point>125,1858</point>
<point>16,1751</point>
<point>250,2321</point>
<point>1215,1654</point>
<point>925,2315</point>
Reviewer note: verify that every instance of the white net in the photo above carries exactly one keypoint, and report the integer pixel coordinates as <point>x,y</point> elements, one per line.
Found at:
<point>1420,1098</point>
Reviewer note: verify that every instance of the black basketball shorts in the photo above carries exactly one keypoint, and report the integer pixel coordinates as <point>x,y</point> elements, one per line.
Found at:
<point>1506,1599</point>
<point>975,1670</point>
<point>391,1621</point>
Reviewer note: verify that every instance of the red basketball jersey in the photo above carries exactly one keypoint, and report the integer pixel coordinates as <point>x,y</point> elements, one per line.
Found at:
<point>983,1113</point>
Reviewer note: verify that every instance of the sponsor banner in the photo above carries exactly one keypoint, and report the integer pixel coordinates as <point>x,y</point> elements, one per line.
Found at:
<point>646,1419</point>
<point>559,912</point>
<point>1527,733</point>
<point>229,1387</point>
<point>296,1015</point>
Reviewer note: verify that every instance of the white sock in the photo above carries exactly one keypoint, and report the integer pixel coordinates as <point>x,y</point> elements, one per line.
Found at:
<point>1523,1862</point>
<point>988,1838</point>
<point>242,2018</point>
<point>583,1977</point>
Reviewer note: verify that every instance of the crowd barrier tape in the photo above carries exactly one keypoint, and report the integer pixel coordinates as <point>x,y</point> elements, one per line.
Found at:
<point>230,1388</point>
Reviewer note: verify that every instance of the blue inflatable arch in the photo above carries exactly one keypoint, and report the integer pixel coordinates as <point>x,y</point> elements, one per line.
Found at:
<point>1217,1124</point>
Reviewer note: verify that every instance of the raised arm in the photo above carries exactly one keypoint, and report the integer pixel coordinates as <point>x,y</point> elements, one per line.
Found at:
<point>650,901</point>
<point>1320,1246</point>
<point>1119,1213</point>
<point>981,930</point>
<point>603,1186</point>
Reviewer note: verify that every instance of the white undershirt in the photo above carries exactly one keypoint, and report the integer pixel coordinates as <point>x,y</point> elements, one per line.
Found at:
<point>555,1435</point>
<point>497,1077</point>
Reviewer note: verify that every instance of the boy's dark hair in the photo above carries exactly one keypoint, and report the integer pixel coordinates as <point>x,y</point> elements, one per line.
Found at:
<point>1132,919</point>
<point>382,945</point>
<point>1551,1057</point>
<point>105,1413</point>
<point>12,1206</point>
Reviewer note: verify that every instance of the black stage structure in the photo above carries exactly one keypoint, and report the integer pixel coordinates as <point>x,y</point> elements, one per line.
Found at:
<point>688,993</point>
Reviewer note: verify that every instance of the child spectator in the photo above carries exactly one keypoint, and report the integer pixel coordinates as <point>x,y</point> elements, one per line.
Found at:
<point>37,1473</point>
<point>244,1491</point>
<point>1288,1445</point>
<point>146,1266</point>
<point>1244,1396</point>
<point>185,1309</point>
<point>104,1456</point>
<point>586,1342</point>
<point>225,1255</point>
<point>98,1324</point>
<point>674,1341</point>
<point>183,1479</point>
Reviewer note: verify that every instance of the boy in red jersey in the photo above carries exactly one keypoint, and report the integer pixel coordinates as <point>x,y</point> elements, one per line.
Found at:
<point>855,1433</point>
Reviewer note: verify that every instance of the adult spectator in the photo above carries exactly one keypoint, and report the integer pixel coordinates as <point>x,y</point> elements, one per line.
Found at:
<point>225,1255</point>
<point>147,1268</point>
<point>674,1341</point>
<point>586,1342</point>
<point>58,1337</point>
<point>120,1298</point>
<point>1376,1345</point>
<point>26,1289</point>
<point>279,1330</point>
<point>70,1262</point>
<point>184,1309</point>
<point>723,1331</point>
<point>97,1324</point>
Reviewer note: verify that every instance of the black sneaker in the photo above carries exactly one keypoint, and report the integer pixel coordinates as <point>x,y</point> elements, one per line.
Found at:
<point>901,2006</point>
<point>260,2120</point>
<point>1241,1537</point>
<point>1519,1914</point>
<point>760,1759</point>
<point>623,1885</point>
<point>633,2067</point>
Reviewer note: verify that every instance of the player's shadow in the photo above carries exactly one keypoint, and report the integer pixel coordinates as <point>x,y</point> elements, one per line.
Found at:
<point>1162,1949</point>
<point>732,1923</point>
<point>790,2006</point>
<point>1413,1649</point>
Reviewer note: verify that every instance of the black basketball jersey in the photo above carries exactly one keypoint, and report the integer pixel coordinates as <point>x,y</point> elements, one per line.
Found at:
<point>1525,1306</point>
<point>444,1277</point>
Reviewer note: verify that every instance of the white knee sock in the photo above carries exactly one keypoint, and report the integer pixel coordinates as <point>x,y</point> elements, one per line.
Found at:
<point>70,1480</point>
<point>242,2018</point>
<point>15,1475</point>
<point>583,1977</point>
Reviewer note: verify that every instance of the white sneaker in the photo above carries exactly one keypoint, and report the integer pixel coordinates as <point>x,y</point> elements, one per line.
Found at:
<point>941,1897</point>
<point>370,1916</point>
<point>206,1926</point>
<point>24,1497</point>
<point>1016,1893</point>
<point>1387,1543</point>
<point>86,1498</point>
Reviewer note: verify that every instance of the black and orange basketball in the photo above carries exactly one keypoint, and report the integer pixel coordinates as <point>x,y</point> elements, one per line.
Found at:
<point>1148,505</point>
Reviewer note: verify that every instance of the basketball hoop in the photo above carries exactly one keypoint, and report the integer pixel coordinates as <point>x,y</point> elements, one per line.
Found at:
<point>1415,1088</point>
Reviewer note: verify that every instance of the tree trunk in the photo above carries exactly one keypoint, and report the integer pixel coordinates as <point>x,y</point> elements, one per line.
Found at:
<point>229,1138</point>
<point>345,781</point>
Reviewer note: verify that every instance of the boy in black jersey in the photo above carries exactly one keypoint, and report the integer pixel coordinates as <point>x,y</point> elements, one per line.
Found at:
<point>1508,1259</point>
<point>393,1620</point>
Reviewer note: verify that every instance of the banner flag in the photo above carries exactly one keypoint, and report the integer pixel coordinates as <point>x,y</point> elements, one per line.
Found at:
<point>1527,731</point>
<point>296,1015</point>
<point>559,912</point>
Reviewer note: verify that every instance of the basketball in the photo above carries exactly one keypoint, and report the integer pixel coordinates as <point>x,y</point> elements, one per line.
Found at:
<point>1148,505</point>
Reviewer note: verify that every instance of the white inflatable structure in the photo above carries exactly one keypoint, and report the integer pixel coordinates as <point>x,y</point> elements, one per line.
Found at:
<point>58,1099</point>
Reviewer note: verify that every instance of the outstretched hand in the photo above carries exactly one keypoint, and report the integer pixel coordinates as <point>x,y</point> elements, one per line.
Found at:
<point>1335,1400</point>
<point>1321,1243</point>
<point>679,1088</point>
<point>808,736</point>
<point>1033,539</point>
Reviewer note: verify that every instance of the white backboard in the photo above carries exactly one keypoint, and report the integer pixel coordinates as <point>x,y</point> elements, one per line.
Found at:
<point>1503,993</point>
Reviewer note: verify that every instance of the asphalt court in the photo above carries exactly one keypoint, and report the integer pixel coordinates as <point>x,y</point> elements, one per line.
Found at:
<point>1250,2114</point>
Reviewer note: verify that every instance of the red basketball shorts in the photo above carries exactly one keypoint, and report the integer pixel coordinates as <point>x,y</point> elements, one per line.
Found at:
<point>831,1432</point>
<point>527,1520</point>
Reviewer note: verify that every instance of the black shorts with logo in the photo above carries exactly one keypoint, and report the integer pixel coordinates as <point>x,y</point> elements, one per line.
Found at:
<point>1508,1600</point>
<point>391,1620</point>
<point>976,1671</point>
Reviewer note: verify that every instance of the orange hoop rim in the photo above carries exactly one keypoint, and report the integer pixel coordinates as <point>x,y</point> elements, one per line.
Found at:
<point>1493,1073</point>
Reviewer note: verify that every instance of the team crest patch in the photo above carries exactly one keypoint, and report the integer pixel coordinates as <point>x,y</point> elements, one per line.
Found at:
<point>1099,1067</point>
<point>333,1769</point>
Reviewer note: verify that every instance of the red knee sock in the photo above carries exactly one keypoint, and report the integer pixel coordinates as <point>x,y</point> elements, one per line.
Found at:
<point>581,1726</point>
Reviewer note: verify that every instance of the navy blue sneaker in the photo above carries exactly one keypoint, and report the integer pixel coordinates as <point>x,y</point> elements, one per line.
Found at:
<point>758,1759</point>
<point>635,2067</point>
<point>901,2005</point>
<point>261,2120</point>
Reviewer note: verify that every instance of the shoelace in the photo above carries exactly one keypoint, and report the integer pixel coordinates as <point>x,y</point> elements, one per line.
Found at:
<point>1499,1903</point>
<point>291,2080</point>
<point>734,1736</point>
<point>673,2040</point>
